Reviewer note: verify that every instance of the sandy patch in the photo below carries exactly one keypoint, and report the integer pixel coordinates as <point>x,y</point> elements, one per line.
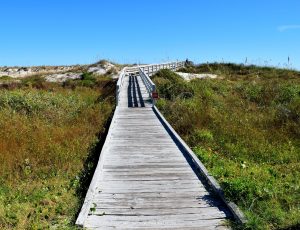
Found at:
<point>191,76</point>
<point>62,77</point>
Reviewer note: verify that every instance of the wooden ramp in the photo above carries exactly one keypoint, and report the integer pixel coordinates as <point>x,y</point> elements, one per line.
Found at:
<point>143,179</point>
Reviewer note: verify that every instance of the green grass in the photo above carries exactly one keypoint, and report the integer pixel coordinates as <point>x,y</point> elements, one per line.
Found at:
<point>48,136</point>
<point>245,127</point>
<point>5,78</point>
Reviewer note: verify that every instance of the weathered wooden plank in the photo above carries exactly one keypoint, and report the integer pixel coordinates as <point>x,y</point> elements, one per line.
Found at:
<point>133,172</point>
<point>139,137</point>
<point>146,148</point>
<point>140,156</point>
<point>141,152</point>
<point>176,194</point>
<point>153,204</point>
<point>160,152</point>
<point>131,117</point>
<point>133,142</point>
<point>157,189</point>
<point>190,220</point>
<point>127,137</point>
<point>128,126</point>
<point>149,176</point>
<point>145,204</point>
<point>145,118</point>
<point>150,172</point>
<point>155,185</point>
<point>119,158</point>
<point>139,123</point>
<point>149,161</point>
<point>143,167</point>
<point>141,130</point>
<point>201,201</point>
<point>147,158</point>
<point>219,227</point>
<point>160,212</point>
<point>145,151</point>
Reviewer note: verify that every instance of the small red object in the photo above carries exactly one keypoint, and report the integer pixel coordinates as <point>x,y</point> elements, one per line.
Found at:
<point>155,95</point>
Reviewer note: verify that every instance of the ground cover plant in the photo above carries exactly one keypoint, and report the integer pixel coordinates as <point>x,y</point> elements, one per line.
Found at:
<point>49,132</point>
<point>245,127</point>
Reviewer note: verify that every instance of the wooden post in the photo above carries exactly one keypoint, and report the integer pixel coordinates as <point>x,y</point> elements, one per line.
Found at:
<point>117,95</point>
<point>153,100</point>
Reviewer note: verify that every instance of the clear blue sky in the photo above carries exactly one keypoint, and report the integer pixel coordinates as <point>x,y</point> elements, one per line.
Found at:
<point>52,32</point>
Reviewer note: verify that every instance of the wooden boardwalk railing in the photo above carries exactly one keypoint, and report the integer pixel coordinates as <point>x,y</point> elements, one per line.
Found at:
<point>147,177</point>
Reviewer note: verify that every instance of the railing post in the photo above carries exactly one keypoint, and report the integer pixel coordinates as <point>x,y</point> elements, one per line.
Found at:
<point>117,95</point>
<point>153,100</point>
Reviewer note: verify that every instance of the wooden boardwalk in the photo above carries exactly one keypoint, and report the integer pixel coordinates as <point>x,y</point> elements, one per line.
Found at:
<point>143,179</point>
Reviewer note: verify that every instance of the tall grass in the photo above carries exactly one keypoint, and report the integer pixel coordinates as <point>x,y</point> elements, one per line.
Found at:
<point>46,135</point>
<point>245,127</point>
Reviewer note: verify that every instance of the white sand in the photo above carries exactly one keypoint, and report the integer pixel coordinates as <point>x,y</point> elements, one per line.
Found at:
<point>191,76</point>
<point>62,77</point>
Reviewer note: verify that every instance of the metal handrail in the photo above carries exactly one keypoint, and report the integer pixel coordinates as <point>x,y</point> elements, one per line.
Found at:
<point>150,86</point>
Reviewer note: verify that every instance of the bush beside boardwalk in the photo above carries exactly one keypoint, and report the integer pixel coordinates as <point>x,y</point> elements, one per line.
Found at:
<point>245,127</point>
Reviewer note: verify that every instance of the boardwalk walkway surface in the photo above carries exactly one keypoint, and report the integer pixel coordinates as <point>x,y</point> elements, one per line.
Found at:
<point>143,180</point>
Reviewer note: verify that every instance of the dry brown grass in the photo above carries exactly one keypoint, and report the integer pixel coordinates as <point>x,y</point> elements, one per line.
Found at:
<point>46,135</point>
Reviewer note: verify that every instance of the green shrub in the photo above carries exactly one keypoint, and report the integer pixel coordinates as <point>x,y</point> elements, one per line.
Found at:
<point>88,77</point>
<point>253,92</point>
<point>34,81</point>
<point>287,93</point>
<point>203,135</point>
<point>170,85</point>
<point>5,78</point>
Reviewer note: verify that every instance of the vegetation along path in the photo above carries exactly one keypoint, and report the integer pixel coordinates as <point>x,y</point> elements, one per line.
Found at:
<point>146,176</point>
